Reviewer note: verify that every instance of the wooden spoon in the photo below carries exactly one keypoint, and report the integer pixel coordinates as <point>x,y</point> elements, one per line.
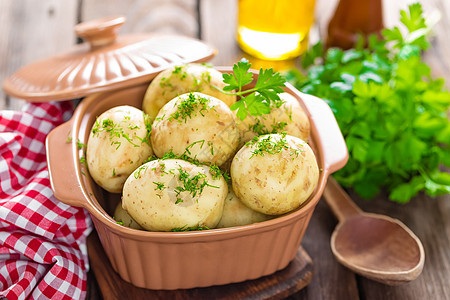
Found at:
<point>375,246</point>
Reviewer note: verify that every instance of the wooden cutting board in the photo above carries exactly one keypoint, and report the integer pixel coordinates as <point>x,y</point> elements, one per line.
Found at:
<point>279,285</point>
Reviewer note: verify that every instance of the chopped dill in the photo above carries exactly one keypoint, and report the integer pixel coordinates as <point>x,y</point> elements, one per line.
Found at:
<point>187,228</point>
<point>261,129</point>
<point>214,170</point>
<point>278,127</point>
<point>159,186</point>
<point>187,107</point>
<point>115,130</point>
<point>216,173</point>
<point>137,173</point>
<point>202,142</point>
<point>82,147</point>
<point>194,185</point>
<point>179,70</point>
<point>268,145</point>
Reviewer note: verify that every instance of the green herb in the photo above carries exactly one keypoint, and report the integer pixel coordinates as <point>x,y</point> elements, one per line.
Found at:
<point>278,127</point>
<point>206,77</point>
<point>260,129</point>
<point>266,144</point>
<point>392,113</point>
<point>211,146</point>
<point>115,130</point>
<point>185,156</point>
<point>213,169</point>
<point>201,142</point>
<point>148,127</point>
<point>187,228</point>
<point>69,138</point>
<point>114,172</point>
<point>169,155</point>
<point>159,186</point>
<point>258,100</point>
<point>164,82</point>
<point>216,173</point>
<point>82,147</point>
<point>194,185</point>
<point>137,173</point>
<point>179,70</point>
<point>188,106</point>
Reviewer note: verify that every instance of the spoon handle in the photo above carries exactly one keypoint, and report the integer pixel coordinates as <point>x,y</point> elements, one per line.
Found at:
<point>339,201</point>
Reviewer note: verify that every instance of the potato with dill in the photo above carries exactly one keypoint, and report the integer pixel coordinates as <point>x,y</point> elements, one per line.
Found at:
<point>274,174</point>
<point>165,195</point>
<point>182,79</point>
<point>198,125</point>
<point>119,142</point>
<point>286,116</point>
<point>235,213</point>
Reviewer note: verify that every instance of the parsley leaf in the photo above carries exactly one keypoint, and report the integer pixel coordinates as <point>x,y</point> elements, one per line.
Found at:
<point>255,101</point>
<point>239,77</point>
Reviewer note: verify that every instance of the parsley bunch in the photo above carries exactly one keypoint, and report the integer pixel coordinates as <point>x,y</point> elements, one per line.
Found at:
<point>392,114</point>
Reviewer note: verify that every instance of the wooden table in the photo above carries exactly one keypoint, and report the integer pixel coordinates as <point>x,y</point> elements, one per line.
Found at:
<point>31,30</point>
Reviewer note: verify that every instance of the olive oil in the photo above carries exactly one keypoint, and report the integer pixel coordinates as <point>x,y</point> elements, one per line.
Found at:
<point>274,29</point>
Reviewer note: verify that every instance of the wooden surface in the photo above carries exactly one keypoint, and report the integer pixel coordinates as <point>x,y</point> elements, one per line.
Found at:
<point>31,30</point>
<point>279,285</point>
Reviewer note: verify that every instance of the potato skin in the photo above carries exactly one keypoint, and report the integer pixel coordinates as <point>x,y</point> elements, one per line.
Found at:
<point>210,131</point>
<point>235,213</point>
<point>150,196</point>
<point>110,156</point>
<point>277,183</point>
<point>182,79</point>
<point>290,112</point>
<point>121,215</point>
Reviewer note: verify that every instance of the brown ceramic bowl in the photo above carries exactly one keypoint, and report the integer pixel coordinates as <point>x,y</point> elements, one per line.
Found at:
<point>182,260</point>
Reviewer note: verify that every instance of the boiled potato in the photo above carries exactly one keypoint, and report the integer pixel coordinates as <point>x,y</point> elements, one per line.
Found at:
<point>118,143</point>
<point>121,216</point>
<point>201,126</point>
<point>289,118</point>
<point>163,195</point>
<point>235,213</point>
<point>274,174</point>
<point>183,79</point>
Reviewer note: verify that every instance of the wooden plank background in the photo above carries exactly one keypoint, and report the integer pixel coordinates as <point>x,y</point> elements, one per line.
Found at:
<point>32,30</point>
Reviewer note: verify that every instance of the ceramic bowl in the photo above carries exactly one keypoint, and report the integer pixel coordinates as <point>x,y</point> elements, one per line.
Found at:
<point>182,260</point>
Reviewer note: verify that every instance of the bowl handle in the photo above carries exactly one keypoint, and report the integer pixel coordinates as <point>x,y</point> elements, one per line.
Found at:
<point>64,165</point>
<point>325,126</point>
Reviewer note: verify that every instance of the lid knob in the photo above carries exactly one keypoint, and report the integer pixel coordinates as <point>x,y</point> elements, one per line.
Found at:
<point>100,32</point>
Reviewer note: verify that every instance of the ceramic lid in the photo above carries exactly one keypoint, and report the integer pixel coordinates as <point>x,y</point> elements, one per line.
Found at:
<point>105,62</point>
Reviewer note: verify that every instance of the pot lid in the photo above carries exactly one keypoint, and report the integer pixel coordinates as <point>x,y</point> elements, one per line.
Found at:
<point>105,62</point>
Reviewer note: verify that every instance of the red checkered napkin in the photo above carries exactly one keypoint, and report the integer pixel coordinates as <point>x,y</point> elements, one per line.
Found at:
<point>43,252</point>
